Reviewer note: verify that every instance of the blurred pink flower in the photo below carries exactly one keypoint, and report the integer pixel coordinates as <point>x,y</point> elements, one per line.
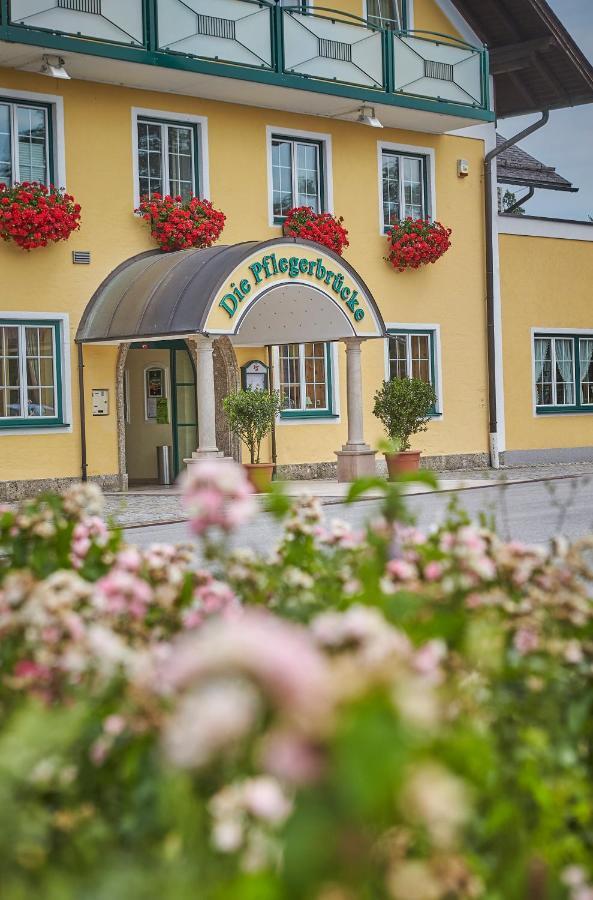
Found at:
<point>526,641</point>
<point>433,571</point>
<point>278,656</point>
<point>122,593</point>
<point>210,599</point>
<point>217,495</point>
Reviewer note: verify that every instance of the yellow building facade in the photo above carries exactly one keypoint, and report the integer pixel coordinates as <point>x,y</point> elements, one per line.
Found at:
<point>255,133</point>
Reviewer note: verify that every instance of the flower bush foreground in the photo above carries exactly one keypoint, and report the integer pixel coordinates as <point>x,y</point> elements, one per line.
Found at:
<point>381,714</point>
<point>416,242</point>
<point>33,215</point>
<point>178,224</point>
<point>322,228</point>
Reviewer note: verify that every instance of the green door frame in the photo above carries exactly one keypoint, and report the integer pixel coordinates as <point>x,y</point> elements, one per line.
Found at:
<point>172,347</point>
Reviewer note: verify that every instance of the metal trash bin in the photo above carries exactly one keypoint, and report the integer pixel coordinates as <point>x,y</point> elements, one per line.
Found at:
<point>164,457</point>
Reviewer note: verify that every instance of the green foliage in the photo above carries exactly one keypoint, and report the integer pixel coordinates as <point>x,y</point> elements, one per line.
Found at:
<point>403,405</point>
<point>456,752</point>
<point>250,416</point>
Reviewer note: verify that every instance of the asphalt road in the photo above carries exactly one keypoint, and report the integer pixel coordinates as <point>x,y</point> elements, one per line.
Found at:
<point>532,512</point>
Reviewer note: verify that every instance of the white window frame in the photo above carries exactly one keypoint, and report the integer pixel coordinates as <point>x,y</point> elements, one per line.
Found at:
<point>333,418</point>
<point>56,140</point>
<point>13,107</point>
<point>325,141</point>
<point>438,373</point>
<point>408,150</point>
<point>365,11</point>
<point>65,380</point>
<point>201,148</point>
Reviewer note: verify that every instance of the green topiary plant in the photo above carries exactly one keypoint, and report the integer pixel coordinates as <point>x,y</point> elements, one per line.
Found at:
<point>403,405</point>
<point>251,415</point>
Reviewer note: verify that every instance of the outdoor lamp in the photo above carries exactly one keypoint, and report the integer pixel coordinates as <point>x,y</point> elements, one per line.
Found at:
<point>54,67</point>
<point>367,117</point>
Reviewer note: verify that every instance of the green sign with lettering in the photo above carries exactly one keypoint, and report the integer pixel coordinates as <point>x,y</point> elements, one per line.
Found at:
<point>271,266</point>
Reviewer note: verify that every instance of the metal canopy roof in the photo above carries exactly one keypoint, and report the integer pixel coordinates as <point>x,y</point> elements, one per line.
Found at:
<point>162,295</point>
<point>535,62</point>
<point>515,166</point>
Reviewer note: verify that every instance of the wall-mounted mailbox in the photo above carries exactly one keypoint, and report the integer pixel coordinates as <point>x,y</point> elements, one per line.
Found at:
<point>100,402</point>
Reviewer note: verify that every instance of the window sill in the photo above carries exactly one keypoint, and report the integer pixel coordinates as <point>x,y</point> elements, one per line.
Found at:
<point>303,414</point>
<point>30,425</point>
<point>563,411</point>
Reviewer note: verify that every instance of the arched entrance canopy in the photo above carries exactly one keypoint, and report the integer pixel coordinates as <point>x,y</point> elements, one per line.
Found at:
<point>279,291</point>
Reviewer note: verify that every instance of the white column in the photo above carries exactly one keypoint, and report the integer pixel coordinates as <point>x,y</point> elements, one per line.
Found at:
<point>206,400</point>
<point>354,393</point>
<point>355,459</point>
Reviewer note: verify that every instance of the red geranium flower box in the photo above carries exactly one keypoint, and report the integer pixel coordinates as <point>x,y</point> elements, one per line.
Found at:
<point>178,224</point>
<point>416,242</point>
<point>323,228</point>
<point>33,215</point>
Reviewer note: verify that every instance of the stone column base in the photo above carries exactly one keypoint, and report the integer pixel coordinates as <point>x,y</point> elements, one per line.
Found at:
<point>200,455</point>
<point>353,464</point>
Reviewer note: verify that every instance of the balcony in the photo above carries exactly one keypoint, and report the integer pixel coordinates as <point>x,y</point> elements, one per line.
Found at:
<point>333,55</point>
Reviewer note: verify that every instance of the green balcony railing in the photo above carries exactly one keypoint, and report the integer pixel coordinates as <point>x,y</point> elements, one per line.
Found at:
<point>318,49</point>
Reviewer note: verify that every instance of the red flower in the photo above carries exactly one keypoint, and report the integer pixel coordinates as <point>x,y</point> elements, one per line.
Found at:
<point>323,228</point>
<point>416,242</point>
<point>33,215</point>
<point>176,224</point>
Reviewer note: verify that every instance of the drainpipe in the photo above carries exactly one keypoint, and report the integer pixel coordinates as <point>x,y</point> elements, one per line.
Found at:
<point>83,459</point>
<point>271,387</point>
<point>518,203</point>
<point>490,310</point>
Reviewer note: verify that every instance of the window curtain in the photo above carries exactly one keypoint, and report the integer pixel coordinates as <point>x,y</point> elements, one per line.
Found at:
<point>586,353</point>
<point>542,356</point>
<point>564,369</point>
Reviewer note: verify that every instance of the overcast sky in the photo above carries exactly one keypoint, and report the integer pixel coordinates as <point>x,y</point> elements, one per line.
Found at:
<point>566,142</point>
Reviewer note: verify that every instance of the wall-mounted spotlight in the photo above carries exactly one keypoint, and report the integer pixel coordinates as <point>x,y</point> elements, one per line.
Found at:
<point>366,116</point>
<point>54,67</point>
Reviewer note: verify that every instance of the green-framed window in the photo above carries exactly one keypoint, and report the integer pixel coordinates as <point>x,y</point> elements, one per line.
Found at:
<point>412,354</point>
<point>297,175</point>
<point>30,374</point>
<point>404,186</point>
<point>388,13</point>
<point>168,161</point>
<point>305,380</point>
<point>563,373</point>
<point>25,141</point>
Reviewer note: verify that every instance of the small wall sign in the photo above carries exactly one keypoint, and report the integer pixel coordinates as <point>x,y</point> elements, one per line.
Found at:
<point>155,390</point>
<point>100,402</point>
<point>254,376</point>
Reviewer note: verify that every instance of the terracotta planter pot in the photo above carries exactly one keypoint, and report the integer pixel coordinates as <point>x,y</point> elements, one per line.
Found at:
<point>405,461</point>
<point>260,476</point>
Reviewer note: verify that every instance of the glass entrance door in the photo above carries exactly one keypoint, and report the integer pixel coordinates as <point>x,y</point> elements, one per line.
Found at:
<point>185,414</point>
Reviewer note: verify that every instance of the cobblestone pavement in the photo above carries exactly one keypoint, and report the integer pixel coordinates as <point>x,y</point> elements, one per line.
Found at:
<point>135,509</point>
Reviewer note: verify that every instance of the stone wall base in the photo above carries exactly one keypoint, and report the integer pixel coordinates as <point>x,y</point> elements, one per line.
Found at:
<point>328,470</point>
<point>562,455</point>
<point>19,490</point>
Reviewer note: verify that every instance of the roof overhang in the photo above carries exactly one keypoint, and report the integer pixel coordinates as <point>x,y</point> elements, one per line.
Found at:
<point>535,62</point>
<point>276,292</point>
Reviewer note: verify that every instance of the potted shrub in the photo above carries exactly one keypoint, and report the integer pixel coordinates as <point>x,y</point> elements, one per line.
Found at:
<point>250,416</point>
<point>416,242</point>
<point>323,228</point>
<point>178,224</point>
<point>403,405</point>
<point>33,215</point>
